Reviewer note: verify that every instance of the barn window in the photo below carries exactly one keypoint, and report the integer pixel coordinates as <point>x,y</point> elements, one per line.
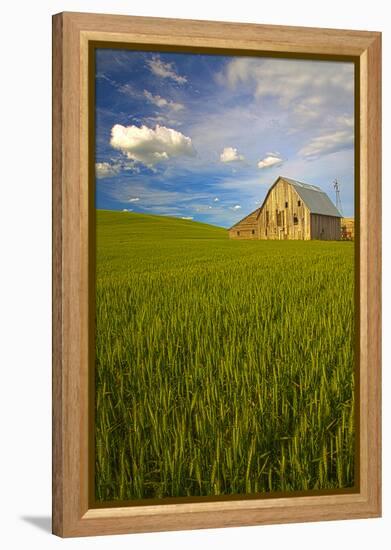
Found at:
<point>253,231</point>
<point>238,233</point>
<point>295,219</point>
<point>267,216</point>
<point>286,204</point>
<point>298,203</point>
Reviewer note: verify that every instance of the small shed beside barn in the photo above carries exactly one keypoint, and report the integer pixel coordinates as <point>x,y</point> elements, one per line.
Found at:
<point>292,210</point>
<point>347,226</point>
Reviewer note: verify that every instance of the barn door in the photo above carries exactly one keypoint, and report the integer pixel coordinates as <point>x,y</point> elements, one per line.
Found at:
<point>280,224</point>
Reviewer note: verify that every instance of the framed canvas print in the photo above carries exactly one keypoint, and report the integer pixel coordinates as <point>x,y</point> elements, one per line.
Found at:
<point>216,274</point>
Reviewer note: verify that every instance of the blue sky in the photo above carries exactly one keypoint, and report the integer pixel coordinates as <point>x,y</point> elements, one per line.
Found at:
<point>203,136</point>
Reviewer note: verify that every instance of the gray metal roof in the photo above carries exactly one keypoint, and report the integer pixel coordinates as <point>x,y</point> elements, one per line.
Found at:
<point>314,198</point>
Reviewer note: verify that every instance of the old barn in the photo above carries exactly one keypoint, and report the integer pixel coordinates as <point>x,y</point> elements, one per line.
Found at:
<point>291,210</point>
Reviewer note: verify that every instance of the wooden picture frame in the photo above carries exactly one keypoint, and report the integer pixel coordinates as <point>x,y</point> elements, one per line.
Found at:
<point>72,34</point>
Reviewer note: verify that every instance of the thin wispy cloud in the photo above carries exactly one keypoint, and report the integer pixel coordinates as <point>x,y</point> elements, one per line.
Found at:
<point>165,70</point>
<point>162,102</point>
<point>312,83</point>
<point>106,170</point>
<point>327,144</point>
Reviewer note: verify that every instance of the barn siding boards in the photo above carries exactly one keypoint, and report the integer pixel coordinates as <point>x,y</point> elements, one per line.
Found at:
<point>325,228</point>
<point>291,211</point>
<point>247,228</point>
<point>283,214</point>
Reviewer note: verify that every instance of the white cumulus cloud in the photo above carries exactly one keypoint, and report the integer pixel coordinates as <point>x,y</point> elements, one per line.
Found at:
<point>230,154</point>
<point>271,159</point>
<point>165,70</point>
<point>161,102</point>
<point>150,146</point>
<point>135,199</point>
<point>236,207</point>
<point>216,199</point>
<point>327,144</point>
<point>187,218</point>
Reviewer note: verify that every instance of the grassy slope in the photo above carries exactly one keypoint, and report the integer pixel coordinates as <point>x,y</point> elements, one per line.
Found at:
<point>199,389</point>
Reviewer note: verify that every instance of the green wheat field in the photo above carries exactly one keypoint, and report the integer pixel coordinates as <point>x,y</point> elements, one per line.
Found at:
<point>222,367</point>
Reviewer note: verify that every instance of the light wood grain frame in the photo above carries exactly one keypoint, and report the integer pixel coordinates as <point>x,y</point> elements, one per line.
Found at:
<point>72,33</point>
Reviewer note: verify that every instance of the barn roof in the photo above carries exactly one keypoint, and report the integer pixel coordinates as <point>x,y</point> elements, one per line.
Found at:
<point>314,198</point>
<point>256,212</point>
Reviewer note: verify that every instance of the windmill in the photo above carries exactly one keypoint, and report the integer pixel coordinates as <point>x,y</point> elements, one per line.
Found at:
<point>338,202</point>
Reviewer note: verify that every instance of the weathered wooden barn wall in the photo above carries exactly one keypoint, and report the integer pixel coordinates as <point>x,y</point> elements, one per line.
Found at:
<point>347,229</point>
<point>247,228</point>
<point>284,215</point>
<point>291,211</point>
<point>325,227</point>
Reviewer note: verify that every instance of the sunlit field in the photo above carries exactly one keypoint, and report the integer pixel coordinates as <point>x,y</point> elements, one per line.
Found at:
<point>222,367</point>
